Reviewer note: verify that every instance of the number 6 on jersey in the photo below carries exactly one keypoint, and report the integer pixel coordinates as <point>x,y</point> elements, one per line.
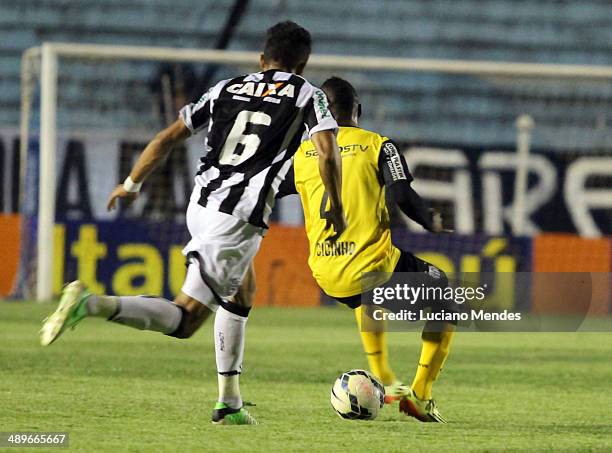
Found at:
<point>238,136</point>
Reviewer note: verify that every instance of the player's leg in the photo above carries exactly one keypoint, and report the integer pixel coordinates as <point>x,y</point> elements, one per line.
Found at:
<point>229,331</point>
<point>374,340</point>
<point>229,328</point>
<point>436,341</point>
<point>179,318</point>
<point>223,247</point>
<point>158,314</point>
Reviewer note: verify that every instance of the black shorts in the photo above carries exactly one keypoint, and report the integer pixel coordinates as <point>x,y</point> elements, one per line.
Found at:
<point>424,273</point>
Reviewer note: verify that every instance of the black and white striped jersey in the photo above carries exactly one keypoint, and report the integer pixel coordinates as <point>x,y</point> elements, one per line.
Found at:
<point>255,124</point>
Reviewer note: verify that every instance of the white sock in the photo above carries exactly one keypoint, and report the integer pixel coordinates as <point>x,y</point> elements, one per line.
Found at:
<point>102,306</point>
<point>229,349</point>
<point>140,312</point>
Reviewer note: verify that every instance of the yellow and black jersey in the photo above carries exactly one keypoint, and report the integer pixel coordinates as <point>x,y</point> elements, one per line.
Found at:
<point>369,163</point>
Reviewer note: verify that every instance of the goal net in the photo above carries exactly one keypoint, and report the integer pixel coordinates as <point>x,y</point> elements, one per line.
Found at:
<point>493,145</point>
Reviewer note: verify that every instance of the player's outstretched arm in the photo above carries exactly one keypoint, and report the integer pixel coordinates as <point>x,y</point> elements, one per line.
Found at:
<point>396,176</point>
<point>153,155</point>
<point>437,224</point>
<point>415,207</point>
<point>330,168</point>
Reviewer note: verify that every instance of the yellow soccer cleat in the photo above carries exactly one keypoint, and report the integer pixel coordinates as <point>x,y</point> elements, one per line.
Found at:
<point>423,410</point>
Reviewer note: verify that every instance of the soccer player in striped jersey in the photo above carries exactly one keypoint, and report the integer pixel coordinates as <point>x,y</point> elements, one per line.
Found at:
<point>371,165</point>
<point>254,124</point>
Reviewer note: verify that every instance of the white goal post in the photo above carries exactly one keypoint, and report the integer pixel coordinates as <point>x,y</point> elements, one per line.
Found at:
<point>51,53</point>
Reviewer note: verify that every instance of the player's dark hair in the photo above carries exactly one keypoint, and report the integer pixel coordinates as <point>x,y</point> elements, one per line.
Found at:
<point>342,96</point>
<point>287,44</point>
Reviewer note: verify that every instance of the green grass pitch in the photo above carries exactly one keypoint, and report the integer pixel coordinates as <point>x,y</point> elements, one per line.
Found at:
<point>117,389</point>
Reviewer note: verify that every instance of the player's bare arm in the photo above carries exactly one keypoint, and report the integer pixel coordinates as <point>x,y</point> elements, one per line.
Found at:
<point>151,158</point>
<point>330,168</point>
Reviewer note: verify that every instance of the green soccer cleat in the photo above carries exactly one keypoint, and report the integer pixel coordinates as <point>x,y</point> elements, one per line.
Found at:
<point>70,311</point>
<point>224,415</point>
<point>396,392</point>
<point>423,410</point>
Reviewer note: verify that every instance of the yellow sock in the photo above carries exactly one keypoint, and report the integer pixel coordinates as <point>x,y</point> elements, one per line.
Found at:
<point>435,349</point>
<point>375,346</point>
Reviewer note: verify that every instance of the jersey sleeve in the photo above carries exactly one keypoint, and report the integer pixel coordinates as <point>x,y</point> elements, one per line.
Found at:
<point>392,165</point>
<point>396,176</point>
<point>287,187</point>
<point>197,115</point>
<point>317,115</point>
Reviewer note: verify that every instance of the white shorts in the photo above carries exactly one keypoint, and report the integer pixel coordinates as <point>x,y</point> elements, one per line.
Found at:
<point>219,254</point>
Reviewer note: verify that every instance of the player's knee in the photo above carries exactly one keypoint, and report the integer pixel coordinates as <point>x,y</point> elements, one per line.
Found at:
<point>244,297</point>
<point>187,326</point>
<point>192,317</point>
<point>431,335</point>
<point>251,289</point>
<point>246,293</point>
<point>181,334</point>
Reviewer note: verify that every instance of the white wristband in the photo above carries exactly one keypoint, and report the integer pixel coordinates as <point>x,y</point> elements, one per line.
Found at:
<point>131,186</point>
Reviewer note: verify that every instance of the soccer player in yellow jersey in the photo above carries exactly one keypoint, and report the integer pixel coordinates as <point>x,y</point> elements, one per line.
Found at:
<point>371,165</point>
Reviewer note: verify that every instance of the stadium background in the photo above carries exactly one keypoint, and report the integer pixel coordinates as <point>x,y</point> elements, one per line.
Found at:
<point>456,116</point>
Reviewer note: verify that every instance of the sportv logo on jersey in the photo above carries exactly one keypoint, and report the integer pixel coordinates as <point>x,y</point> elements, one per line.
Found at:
<point>345,150</point>
<point>262,89</point>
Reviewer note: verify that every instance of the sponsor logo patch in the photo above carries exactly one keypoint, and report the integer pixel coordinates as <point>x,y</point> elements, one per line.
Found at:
<point>321,103</point>
<point>394,162</point>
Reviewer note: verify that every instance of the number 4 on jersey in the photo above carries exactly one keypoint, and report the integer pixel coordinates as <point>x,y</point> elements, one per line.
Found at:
<point>323,212</point>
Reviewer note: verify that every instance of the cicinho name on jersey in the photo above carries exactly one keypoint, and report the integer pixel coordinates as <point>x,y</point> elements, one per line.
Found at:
<point>341,248</point>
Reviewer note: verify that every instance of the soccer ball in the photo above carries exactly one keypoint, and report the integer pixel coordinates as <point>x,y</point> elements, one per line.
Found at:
<point>357,395</point>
